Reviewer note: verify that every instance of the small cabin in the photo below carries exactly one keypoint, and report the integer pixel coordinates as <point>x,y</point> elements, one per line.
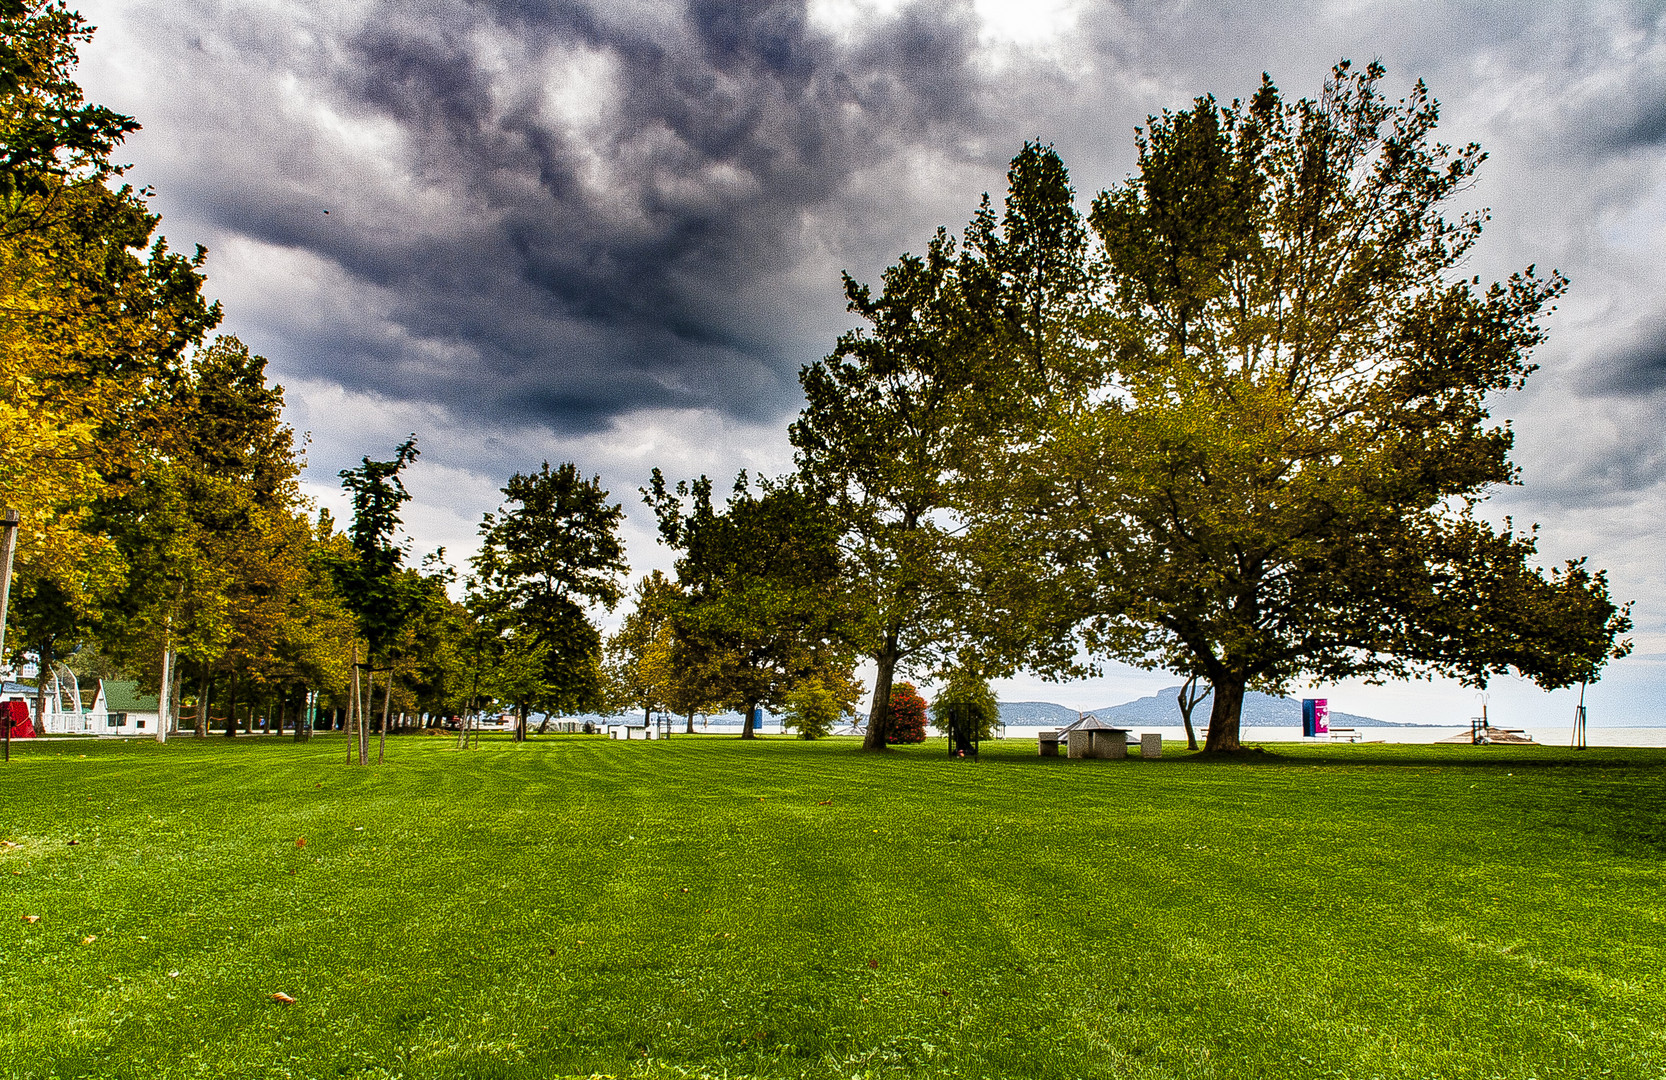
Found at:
<point>125,710</point>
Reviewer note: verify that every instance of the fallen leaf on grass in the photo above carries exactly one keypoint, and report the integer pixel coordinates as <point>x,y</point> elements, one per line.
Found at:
<point>301,842</point>
<point>8,845</point>
<point>173,974</point>
<point>825,802</point>
<point>73,843</point>
<point>31,918</point>
<point>89,939</point>
<point>282,998</point>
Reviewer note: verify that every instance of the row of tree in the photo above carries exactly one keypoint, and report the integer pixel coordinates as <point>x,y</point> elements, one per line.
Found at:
<point>1232,423</point>
<point>163,531</point>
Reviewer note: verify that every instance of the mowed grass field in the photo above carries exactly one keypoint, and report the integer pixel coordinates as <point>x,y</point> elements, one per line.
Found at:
<point>704,907</point>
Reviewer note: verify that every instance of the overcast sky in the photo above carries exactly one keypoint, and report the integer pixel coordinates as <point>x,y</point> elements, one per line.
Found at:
<point>611,232</point>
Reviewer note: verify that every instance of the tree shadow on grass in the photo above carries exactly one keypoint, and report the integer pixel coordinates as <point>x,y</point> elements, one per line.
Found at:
<point>1410,755</point>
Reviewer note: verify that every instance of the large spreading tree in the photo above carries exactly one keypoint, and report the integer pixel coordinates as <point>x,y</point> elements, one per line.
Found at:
<point>1268,459</point>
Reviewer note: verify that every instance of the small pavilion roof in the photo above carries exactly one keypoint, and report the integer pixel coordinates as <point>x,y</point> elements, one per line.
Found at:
<point>1090,722</point>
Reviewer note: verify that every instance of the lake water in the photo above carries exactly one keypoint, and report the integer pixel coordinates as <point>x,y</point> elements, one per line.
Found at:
<point>1558,735</point>
<point>1545,734</point>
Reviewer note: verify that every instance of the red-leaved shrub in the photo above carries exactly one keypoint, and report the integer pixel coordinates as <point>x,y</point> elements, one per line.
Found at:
<point>908,715</point>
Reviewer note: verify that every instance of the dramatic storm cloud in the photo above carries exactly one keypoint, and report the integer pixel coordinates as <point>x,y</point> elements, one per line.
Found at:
<point>611,232</point>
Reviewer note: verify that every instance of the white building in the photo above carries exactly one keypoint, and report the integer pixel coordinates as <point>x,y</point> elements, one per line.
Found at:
<point>96,708</point>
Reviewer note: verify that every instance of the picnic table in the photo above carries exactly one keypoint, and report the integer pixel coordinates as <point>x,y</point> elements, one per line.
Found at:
<point>1091,737</point>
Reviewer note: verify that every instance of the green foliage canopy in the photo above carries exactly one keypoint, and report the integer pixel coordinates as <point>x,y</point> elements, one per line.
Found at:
<point>1266,457</point>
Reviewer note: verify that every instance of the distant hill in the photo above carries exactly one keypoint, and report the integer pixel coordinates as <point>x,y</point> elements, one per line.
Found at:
<point>1162,709</point>
<point>1036,714</point>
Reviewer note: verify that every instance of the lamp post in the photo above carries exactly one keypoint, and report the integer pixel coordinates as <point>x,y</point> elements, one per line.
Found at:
<point>9,521</point>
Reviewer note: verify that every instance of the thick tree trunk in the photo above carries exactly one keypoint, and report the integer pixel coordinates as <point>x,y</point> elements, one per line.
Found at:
<point>689,730</point>
<point>879,713</point>
<point>1224,713</point>
<point>746,731</point>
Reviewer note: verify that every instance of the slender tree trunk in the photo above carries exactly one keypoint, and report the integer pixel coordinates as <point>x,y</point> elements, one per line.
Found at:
<point>178,696</point>
<point>387,702</point>
<point>1189,698</point>
<point>231,705</point>
<point>47,659</point>
<point>203,695</point>
<point>689,730</point>
<point>165,685</point>
<point>1224,713</point>
<point>879,713</point>
<point>303,721</point>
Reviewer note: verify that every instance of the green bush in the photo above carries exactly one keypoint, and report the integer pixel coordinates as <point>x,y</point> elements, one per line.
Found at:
<point>813,710</point>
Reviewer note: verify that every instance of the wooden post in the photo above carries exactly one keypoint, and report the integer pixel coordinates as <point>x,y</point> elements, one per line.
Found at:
<point>353,705</point>
<point>387,701</point>
<point>9,521</point>
<point>366,709</point>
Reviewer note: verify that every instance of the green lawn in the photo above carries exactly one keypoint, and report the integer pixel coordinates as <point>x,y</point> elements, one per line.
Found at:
<point>708,908</point>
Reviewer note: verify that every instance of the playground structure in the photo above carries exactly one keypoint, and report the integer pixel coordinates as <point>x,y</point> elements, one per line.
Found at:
<point>67,708</point>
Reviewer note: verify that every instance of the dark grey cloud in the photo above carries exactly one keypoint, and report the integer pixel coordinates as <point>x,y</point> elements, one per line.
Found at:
<point>1634,368</point>
<point>650,255</point>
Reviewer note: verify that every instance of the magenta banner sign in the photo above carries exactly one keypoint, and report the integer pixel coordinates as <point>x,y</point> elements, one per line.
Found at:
<point>1315,716</point>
